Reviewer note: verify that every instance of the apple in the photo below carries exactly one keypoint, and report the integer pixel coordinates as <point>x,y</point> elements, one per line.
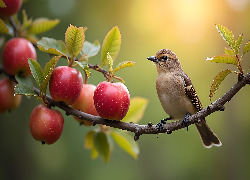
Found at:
<point>7,98</point>
<point>65,84</point>
<point>85,103</point>
<point>46,125</point>
<point>15,56</point>
<point>112,100</point>
<point>12,6</point>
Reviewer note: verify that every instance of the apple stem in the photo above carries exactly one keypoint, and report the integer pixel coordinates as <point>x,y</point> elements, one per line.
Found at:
<point>86,79</point>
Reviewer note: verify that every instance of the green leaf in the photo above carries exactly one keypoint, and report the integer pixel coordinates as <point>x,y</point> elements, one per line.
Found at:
<point>226,34</point>
<point>52,46</point>
<point>136,109</point>
<point>126,142</point>
<point>124,64</point>
<point>23,89</point>
<point>110,61</point>
<point>26,22</point>
<point>2,5</point>
<point>24,80</point>
<point>246,48</point>
<point>238,43</point>
<point>90,49</point>
<point>102,146</point>
<point>229,51</point>
<point>3,27</point>
<point>89,143</point>
<point>217,81</point>
<point>37,72</point>
<point>111,44</point>
<point>41,25</point>
<point>48,69</point>
<point>84,65</point>
<point>2,41</point>
<point>74,38</point>
<point>225,58</point>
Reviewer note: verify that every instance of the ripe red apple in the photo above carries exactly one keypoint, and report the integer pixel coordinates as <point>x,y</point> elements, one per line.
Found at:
<point>12,6</point>
<point>111,100</point>
<point>85,103</point>
<point>46,125</point>
<point>65,84</point>
<point>15,56</point>
<point>7,99</point>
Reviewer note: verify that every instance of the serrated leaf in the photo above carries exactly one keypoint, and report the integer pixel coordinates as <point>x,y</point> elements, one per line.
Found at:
<point>110,61</point>
<point>2,5</point>
<point>225,58</point>
<point>37,72</point>
<point>136,109</point>
<point>246,48</point>
<point>102,146</point>
<point>126,142</point>
<point>238,43</point>
<point>52,46</point>
<point>124,64</point>
<point>217,81</point>
<point>229,51</point>
<point>84,66</point>
<point>23,89</point>
<point>111,44</point>
<point>47,72</point>
<point>74,38</point>
<point>24,80</point>
<point>3,28</point>
<point>26,22</point>
<point>41,25</point>
<point>90,49</point>
<point>226,34</point>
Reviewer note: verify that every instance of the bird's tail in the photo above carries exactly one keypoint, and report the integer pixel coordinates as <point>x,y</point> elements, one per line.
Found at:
<point>207,136</point>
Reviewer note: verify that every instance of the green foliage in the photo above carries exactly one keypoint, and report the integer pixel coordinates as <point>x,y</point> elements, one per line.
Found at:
<point>3,28</point>
<point>2,41</point>
<point>26,22</point>
<point>2,5</point>
<point>90,49</point>
<point>123,65</point>
<point>231,56</point>
<point>52,46</point>
<point>24,80</point>
<point>23,89</point>
<point>84,65</point>
<point>36,72</point>
<point>42,25</point>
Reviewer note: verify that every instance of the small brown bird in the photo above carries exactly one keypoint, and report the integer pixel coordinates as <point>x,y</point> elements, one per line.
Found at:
<point>177,94</point>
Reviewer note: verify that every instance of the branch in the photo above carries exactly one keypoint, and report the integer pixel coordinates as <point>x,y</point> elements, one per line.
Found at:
<point>150,128</point>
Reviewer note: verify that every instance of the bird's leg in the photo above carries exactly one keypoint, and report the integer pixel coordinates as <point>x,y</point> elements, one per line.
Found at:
<point>160,124</point>
<point>185,120</point>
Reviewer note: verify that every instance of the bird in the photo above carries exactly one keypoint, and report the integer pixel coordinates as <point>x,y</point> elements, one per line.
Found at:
<point>178,96</point>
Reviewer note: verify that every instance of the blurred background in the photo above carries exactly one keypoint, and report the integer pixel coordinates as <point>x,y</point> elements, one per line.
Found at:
<point>187,27</point>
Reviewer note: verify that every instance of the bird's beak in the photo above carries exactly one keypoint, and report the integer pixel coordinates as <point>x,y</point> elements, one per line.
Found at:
<point>152,58</point>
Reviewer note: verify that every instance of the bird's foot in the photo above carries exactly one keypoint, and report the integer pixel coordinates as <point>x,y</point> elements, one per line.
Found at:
<point>159,125</point>
<point>185,121</point>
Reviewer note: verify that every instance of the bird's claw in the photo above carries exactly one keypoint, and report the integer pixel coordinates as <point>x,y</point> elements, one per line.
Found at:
<point>185,121</point>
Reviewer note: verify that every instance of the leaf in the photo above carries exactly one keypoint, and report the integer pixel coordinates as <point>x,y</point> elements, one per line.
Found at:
<point>52,46</point>
<point>89,143</point>
<point>217,81</point>
<point>110,61</point>
<point>2,41</point>
<point>37,72</point>
<point>2,5</point>
<point>84,66</point>
<point>23,89</point>
<point>90,49</point>
<point>3,28</point>
<point>74,38</point>
<point>124,64</point>
<point>111,44</point>
<point>246,48</point>
<point>26,22</point>
<point>229,51</point>
<point>226,34</point>
<point>136,109</point>
<point>24,80</point>
<point>238,43</point>
<point>41,25</point>
<point>126,142</point>
<point>48,69</point>
<point>102,146</point>
<point>225,58</point>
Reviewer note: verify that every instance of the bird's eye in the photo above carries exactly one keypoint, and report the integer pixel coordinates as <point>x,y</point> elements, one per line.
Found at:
<point>164,58</point>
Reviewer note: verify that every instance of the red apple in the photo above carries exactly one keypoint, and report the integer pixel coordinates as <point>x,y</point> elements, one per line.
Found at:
<point>65,84</point>
<point>111,100</point>
<point>85,103</point>
<point>46,125</point>
<point>15,56</point>
<point>7,98</point>
<point>12,6</point>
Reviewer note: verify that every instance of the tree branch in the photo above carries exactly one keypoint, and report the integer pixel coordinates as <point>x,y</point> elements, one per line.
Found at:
<point>151,129</point>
